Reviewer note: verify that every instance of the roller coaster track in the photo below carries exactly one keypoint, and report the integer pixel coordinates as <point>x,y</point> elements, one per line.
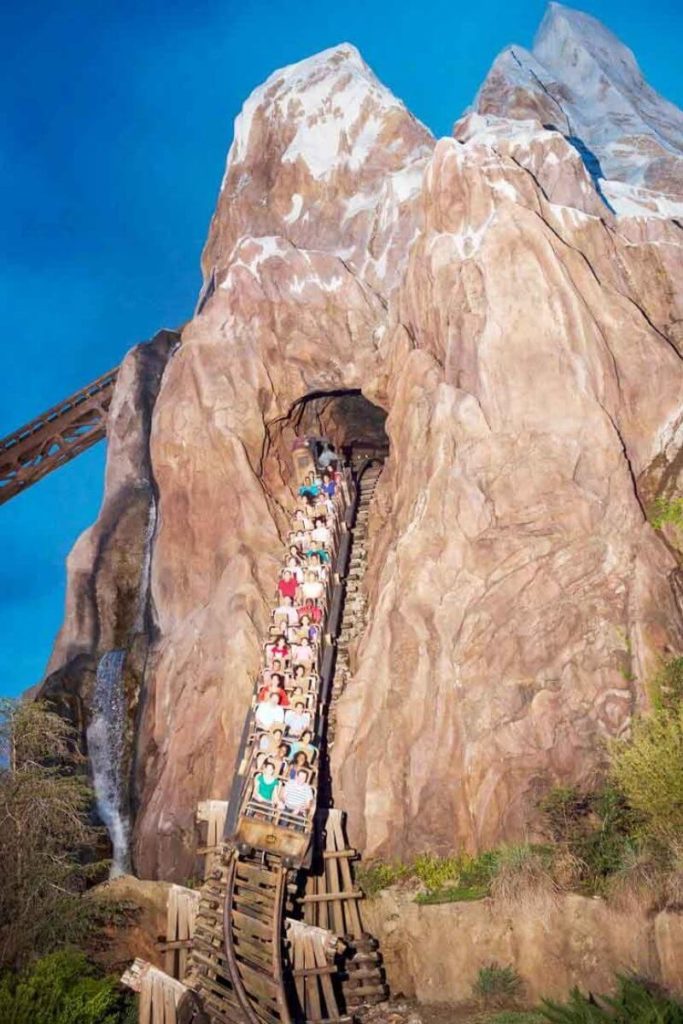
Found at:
<point>241,964</point>
<point>56,437</point>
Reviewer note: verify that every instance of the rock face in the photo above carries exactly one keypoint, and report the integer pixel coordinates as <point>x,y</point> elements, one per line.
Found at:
<point>525,343</point>
<point>581,81</point>
<point>578,941</point>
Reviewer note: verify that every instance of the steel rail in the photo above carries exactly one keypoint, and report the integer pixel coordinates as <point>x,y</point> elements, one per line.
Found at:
<point>55,437</point>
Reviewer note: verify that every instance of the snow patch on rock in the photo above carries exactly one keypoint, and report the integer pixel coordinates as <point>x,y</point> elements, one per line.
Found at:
<point>296,208</point>
<point>582,81</point>
<point>335,105</point>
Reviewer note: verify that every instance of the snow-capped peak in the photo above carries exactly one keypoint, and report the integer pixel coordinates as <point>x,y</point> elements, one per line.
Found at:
<point>328,110</point>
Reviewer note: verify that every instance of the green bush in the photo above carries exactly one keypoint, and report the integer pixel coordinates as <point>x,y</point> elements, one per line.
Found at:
<point>665,510</point>
<point>667,685</point>
<point>436,872</point>
<point>636,1002</point>
<point>374,877</point>
<point>648,768</point>
<point>62,988</point>
<point>454,894</point>
<point>595,832</point>
<point>496,985</point>
<point>446,879</point>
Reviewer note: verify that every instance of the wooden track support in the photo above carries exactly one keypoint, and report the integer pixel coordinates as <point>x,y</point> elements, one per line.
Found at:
<point>312,954</point>
<point>181,910</point>
<point>163,1000</point>
<point>211,815</point>
<point>332,901</point>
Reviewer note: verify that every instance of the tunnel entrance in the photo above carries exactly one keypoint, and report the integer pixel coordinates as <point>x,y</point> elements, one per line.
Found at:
<point>348,419</point>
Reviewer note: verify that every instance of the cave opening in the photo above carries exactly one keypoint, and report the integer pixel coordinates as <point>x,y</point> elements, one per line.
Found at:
<point>354,424</point>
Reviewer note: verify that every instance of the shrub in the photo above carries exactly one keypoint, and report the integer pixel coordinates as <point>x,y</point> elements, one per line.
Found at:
<point>62,988</point>
<point>640,883</point>
<point>496,985</point>
<point>595,834</point>
<point>636,1002</point>
<point>665,511</point>
<point>436,872</point>
<point>374,877</point>
<point>445,879</point>
<point>522,877</point>
<point>667,685</point>
<point>648,767</point>
<point>469,877</point>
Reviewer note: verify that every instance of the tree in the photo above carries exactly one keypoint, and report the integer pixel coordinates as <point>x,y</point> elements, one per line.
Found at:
<point>46,841</point>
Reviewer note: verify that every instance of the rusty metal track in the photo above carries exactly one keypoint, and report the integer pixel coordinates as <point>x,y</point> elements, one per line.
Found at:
<point>56,437</point>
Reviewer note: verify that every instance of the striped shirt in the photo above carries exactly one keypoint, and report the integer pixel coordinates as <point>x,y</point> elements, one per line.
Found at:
<point>297,795</point>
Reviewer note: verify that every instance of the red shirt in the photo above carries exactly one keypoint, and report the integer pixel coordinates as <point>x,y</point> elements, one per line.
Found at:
<point>314,613</point>
<point>265,692</point>
<point>288,588</point>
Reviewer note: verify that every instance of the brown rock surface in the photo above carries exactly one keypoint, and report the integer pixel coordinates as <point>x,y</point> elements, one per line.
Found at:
<point>579,941</point>
<point>138,919</point>
<point>525,345</point>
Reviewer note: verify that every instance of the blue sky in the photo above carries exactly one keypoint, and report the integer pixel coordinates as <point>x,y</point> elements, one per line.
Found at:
<point>116,119</point>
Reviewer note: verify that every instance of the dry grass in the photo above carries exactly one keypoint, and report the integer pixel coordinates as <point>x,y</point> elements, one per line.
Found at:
<point>639,886</point>
<point>523,879</point>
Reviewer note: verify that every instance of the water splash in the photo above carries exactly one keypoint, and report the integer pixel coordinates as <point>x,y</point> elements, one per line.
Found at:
<point>106,748</point>
<point>146,569</point>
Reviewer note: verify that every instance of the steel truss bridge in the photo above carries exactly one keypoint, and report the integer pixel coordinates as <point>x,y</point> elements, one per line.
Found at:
<point>53,439</point>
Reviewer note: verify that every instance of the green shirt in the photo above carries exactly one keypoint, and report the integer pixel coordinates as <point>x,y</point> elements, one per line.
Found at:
<point>264,789</point>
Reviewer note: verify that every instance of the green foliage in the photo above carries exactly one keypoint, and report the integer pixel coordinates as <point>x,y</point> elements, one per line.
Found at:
<point>45,836</point>
<point>667,685</point>
<point>63,988</point>
<point>648,768</point>
<point>636,1002</point>
<point>496,984</point>
<point>445,879</point>
<point>597,831</point>
<point>454,894</point>
<point>665,511</point>
<point>436,872</point>
<point>374,877</point>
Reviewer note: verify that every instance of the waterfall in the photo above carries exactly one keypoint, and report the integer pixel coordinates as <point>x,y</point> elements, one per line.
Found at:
<point>105,747</point>
<point>145,570</point>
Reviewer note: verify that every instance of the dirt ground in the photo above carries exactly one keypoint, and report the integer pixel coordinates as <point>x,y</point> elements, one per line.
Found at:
<point>406,1012</point>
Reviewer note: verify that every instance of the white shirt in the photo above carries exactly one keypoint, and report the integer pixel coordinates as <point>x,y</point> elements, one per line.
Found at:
<point>312,589</point>
<point>304,656</point>
<point>289,612</point>
<point>297,721</point>
<point>269,714</point>
<point>322,535</point>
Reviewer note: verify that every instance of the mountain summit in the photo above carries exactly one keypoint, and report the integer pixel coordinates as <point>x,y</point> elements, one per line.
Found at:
<point>582,81</point>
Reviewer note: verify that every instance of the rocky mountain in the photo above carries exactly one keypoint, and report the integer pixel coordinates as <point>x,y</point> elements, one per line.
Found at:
<point>581,81</point>
<point>517,317</point>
